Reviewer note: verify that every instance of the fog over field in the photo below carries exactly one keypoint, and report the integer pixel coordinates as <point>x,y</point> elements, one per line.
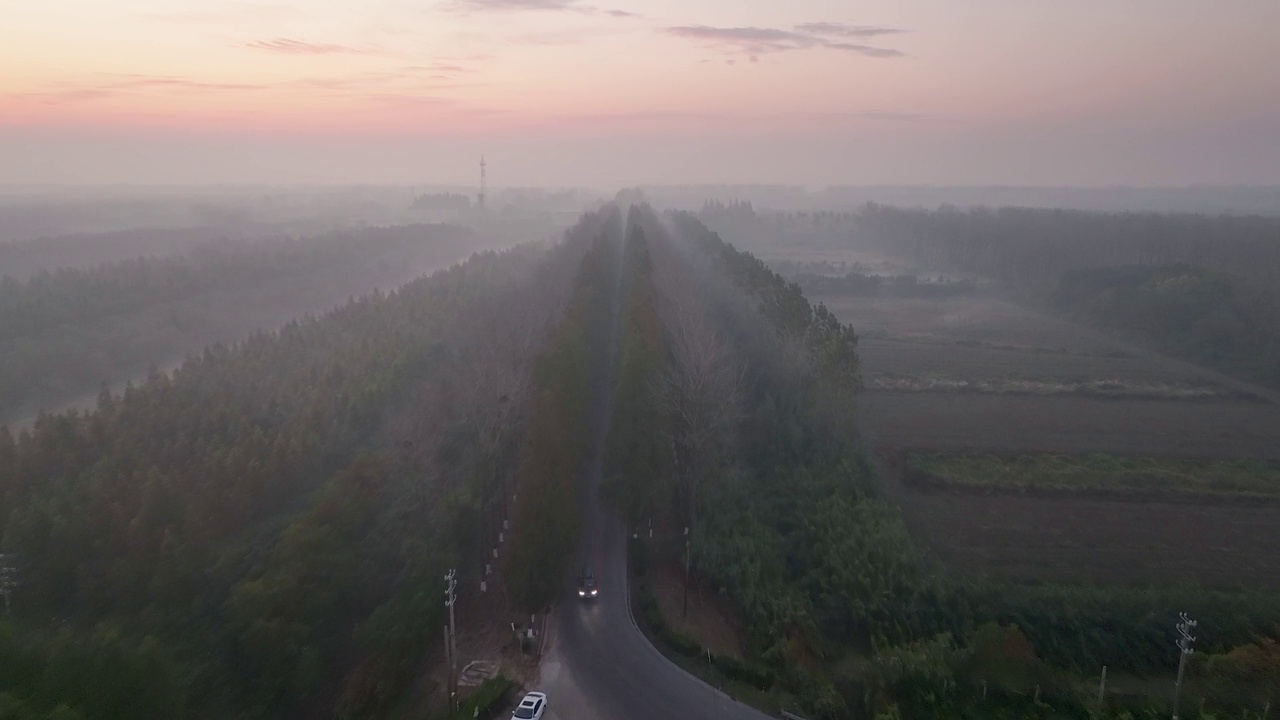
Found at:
<point>596,359</point>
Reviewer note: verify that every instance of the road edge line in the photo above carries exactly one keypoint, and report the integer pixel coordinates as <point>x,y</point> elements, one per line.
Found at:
<point>649,643</point>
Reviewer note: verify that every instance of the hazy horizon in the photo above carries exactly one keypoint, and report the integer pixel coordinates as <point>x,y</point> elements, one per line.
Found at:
<point>573,93</point>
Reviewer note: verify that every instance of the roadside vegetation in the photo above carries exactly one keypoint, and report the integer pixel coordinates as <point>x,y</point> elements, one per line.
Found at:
<point>548,515</point>
<point>1097,474</point>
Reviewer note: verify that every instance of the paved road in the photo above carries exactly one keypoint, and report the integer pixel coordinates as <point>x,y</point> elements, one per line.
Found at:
<point>598,665</point>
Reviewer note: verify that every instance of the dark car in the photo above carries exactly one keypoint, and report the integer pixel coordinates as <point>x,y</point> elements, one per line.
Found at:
<point>587,586</point>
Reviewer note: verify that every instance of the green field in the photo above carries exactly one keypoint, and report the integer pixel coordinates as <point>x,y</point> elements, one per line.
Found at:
<point>1097,473</point>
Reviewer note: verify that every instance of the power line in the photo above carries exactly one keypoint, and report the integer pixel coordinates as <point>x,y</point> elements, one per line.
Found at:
<point>451,636</point>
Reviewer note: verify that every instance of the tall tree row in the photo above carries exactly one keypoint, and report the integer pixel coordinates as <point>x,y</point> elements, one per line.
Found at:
<point>548,515</point>
<point>638,452</point>
<point>738,394</point>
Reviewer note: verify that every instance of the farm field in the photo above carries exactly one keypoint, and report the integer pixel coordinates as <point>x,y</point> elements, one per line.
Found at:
<point>1097,474</point>
<point>911,356</point>
<point>981,336</point>
<point>1099,541</point>
<point>1112,387</point>
<point>1020,423</point>
<point>980,374</point>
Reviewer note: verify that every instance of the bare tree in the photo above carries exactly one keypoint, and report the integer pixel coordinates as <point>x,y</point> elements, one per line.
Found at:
<point>702,389</point>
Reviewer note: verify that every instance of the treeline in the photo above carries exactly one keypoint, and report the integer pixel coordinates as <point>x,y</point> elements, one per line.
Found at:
<point>1185,309</point>
<point>21,258</point>
<point>442,201</point>
<point>66,332</point>
<point>867,285</point>
<point>734,208</point>
<point>738,374</point>
<point>548,511</point>
<point>262,532</point>
<point>1025,247</point>
<point>839,601</point>
<point>84,295</point>
<point>1207,287</point>
<point>637,456</point>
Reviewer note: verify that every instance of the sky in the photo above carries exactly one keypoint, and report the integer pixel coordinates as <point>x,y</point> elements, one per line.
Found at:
<point>606,93</point>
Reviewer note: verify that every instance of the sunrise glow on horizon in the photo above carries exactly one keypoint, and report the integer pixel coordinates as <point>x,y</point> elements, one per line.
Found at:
<point>578,92</point>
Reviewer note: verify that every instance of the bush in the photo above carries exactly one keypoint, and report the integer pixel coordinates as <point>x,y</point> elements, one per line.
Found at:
<point>487,700</point>
<point>639,558</point>
<point>651,616</point>
<point>756,676</point>
<point>680,642</point>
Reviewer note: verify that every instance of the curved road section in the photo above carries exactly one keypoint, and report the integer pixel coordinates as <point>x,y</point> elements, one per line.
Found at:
<point>597,664</point>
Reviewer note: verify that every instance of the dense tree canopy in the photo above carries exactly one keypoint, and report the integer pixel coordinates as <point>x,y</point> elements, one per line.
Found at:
<point>548,511</point>
<point>65,332</point>
<point>261,531</point>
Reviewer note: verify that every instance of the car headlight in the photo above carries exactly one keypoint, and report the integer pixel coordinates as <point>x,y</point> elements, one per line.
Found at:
<point>595,592</point>
<point>582,593</point>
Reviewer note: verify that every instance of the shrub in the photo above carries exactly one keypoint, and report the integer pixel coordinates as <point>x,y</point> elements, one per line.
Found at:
<point>487,700</point>
<point>680,642</point>
<point>754,675</point>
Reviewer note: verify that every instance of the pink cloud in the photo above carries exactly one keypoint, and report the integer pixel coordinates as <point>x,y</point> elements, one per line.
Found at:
<point>289,46</point>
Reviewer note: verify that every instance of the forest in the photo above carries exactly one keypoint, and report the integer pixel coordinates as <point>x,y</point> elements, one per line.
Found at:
<point>260,532</point>
<point>67,331</point>
<point>842,608</point>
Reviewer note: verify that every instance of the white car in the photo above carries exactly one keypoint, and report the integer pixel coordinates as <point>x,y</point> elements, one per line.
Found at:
<point>531,707</point>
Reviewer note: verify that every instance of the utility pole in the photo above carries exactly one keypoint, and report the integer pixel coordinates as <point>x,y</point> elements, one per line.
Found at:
<point>483,182</point>
<point>1185,639</point>
<point>448,661</point>
<point>8,579</point>
<point>451,599</point>
<point>715,697</point>
<point>685,611</point>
